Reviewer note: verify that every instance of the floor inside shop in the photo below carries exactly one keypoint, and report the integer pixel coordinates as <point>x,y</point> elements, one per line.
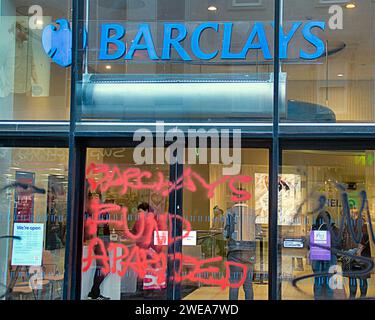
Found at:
<point>261,292</point>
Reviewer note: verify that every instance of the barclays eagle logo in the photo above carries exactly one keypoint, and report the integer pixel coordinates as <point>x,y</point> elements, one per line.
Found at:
<point>57,42</point>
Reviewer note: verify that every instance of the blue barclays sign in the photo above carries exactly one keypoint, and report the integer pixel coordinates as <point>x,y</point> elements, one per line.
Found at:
<point>57,42</point>
<point>177,33</point>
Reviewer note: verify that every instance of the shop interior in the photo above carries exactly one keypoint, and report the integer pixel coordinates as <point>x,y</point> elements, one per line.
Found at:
<point>34,88</point>
<point>206,217</point>
<point>305,176</point>
<point>34,185</point>
<point>332,174</point>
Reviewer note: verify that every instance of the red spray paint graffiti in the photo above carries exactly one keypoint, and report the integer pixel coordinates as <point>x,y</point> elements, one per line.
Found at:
<point>133,178</point>
<point>141,260</point>
<point>147,225</point>
<point>147,255</point>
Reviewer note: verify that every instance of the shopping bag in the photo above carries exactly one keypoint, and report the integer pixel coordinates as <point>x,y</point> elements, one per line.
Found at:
<point>320,246</point>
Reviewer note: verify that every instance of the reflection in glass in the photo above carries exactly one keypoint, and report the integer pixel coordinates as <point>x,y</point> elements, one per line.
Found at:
<point>32,87</point>
<point>328,253</point>
<point>33,199</point>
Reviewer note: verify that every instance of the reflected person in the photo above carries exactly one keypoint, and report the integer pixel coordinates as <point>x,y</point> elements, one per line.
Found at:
<point>240,230</point>
<point>103,232</point>
<point>362,249</point>
<point>217,229</point>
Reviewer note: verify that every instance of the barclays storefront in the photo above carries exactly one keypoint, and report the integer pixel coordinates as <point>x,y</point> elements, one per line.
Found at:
<point>187,150</point>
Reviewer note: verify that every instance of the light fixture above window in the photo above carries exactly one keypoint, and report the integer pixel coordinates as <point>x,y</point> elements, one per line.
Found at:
<point>351,5</point>
<point>330,2</point>
<point>212,8</point>
<point>321,3</point>
<point>246,3</point>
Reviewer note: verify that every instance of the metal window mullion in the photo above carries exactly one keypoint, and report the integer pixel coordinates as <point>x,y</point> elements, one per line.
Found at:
<point>273,280</point>
<point>175,208</point>
<point>73,247</point>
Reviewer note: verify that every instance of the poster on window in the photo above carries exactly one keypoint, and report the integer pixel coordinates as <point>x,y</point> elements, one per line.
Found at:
<point>56,211</point>
<point>28,250</point>
<point>23,197</point>
<point>290,198</point>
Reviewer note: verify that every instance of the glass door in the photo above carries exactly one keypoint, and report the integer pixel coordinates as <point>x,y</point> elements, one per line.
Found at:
<point>174,231</point>
<point>225,253</point>
<point>126,227</point>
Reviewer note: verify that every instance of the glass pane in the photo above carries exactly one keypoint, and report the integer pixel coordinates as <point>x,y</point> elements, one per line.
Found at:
<point>125,227</point>
<point>178,60</point>
<point>133,239</point>
<point>336,84</point>
<point>326,216</point>
<point>32,85</point>
<point>226,253</point>
<point>33,203</point>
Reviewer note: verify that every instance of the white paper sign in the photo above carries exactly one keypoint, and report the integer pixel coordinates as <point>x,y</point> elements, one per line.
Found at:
<point>320,237</point>
<point>293,243</point>
<point>191,238</point>
<point>28,251</point>
<point>161,238</point>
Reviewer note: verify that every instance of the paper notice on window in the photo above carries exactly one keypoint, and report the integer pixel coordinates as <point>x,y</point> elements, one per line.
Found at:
<point>189,238</point>
<point>28,250</point>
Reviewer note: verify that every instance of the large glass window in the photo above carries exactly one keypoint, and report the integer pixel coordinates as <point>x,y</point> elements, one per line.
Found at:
<point>32,85</point>
<point>121,216</point>
<point>211,223</point>
<point>177,60</point>
<point>338,84</point>
<point>33,197</point>
<point>143,240</point>
<point>326,218</point>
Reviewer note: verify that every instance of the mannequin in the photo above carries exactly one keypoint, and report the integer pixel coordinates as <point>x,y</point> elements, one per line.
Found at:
<point>25,70</point>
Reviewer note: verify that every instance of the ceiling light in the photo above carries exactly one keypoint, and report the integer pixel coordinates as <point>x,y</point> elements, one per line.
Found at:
<point>108,67</point>
<point>350,6</point>
<point>212,8</point>
<point>340,75</point>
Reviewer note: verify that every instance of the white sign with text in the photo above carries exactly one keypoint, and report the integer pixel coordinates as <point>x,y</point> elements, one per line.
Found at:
<point>189,239</point>
<point>28,251</point>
